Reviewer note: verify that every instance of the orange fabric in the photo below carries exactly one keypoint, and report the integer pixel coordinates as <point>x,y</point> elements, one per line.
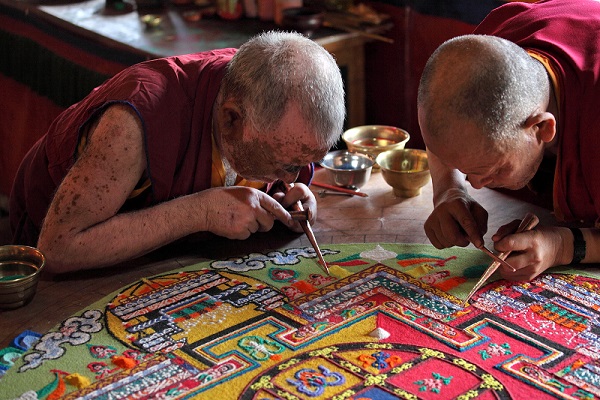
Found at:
<point>554,78</point>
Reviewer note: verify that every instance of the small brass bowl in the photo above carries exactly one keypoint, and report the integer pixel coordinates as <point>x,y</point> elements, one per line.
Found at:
<point>375,139</point>
<point>20,268</point>
<point>347,169</point>
<point>405,170</point>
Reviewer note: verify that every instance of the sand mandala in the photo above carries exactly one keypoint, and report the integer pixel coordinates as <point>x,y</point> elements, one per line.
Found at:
<point>388,324</point>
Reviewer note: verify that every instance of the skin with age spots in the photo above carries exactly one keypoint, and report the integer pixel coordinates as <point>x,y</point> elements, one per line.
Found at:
<point>291,145</point>
<point>276,106</point>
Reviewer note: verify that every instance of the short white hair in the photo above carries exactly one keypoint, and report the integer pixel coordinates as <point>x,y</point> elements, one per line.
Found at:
<point>275,68</point>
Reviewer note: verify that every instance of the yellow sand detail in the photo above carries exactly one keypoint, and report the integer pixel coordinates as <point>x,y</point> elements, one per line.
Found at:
<point>338,272</point>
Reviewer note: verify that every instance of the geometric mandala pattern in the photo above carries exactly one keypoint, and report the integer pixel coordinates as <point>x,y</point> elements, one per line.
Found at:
<point>272,326</point>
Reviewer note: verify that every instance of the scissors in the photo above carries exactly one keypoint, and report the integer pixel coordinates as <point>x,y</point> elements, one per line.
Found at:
<point>301,215</point>
<point>529,222</point>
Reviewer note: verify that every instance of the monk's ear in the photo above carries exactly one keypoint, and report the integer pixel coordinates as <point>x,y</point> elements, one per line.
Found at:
<point>543,125</point>
<point>231,115</point>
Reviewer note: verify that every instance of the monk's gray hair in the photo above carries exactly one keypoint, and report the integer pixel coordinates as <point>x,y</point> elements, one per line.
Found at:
<point>274,68</point>
<point>486,80</point>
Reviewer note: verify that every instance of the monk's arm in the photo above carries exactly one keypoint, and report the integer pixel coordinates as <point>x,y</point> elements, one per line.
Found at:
<point>82,228</point>
<point>444,179</point>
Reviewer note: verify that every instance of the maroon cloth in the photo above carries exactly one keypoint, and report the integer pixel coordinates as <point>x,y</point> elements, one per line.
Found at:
<point>174,98</point>
<point>567,32</point>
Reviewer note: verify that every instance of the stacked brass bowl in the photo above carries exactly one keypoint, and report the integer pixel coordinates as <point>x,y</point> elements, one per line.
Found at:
<point>375,139</point>
<point>20,268</point>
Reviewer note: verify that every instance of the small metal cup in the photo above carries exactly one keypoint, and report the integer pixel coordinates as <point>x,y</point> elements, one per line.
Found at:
<point>20,268</point>
<point>347,169</point>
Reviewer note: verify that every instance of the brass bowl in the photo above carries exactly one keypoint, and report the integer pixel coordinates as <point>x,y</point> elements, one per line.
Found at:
<point>20,268</point>
<point>405,170</point>
<point>347,169</point>
<point>375,139</point>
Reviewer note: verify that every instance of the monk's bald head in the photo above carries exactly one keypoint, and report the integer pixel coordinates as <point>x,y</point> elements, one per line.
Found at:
<point>482,80</point>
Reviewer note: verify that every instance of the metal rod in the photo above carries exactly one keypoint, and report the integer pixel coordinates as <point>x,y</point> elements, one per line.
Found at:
<point>299,215</point>
<point>306,228</point>
<point>340,189</point>
<point>496,258</point>
<point>528,223</point>
<point>323,193</point>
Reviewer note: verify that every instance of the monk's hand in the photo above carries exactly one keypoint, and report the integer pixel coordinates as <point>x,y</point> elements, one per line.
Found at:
<point>298,192</point>
<point>456,220</point>
<point>237,212</point>
<point>532,252</point>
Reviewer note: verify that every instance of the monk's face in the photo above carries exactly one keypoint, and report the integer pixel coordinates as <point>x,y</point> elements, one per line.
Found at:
<point>278,154</point>
<point>465,148</point>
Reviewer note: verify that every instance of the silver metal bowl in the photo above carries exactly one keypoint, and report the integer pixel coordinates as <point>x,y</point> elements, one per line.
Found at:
<point>347,169</point>
<point>20,268</point>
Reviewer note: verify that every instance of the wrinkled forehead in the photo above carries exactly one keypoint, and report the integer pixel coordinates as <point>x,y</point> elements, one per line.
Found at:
<point>295,149</point>
<point>298,152</point>
<point>466,155</point>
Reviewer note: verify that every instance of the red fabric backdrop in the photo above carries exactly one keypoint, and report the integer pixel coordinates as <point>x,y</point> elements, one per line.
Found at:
<point>43,70</point>
<point>393,70</point>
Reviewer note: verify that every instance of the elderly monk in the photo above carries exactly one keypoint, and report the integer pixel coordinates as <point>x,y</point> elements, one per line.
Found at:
<point>176,146</point>
<point>521,92</point>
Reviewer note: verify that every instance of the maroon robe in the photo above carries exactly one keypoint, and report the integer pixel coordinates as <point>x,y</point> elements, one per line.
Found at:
<point>567,32</point>
<point>174,98</point>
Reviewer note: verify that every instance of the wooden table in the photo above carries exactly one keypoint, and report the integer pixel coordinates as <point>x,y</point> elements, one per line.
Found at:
<point>381,217</point>
<point>175,35</point>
